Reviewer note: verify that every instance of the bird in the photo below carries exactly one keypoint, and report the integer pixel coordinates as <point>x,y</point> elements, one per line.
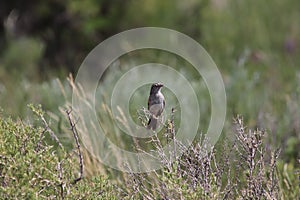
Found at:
<point>156,105</point>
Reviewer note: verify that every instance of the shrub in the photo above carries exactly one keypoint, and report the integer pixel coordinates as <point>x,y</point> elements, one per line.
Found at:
<point>246,170</point>
<point>30,168</point>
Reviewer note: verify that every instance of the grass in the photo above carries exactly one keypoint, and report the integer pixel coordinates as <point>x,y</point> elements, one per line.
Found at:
<point>242,169</point>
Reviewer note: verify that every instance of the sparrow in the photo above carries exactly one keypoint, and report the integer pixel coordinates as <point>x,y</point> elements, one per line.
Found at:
<point>156,105</point>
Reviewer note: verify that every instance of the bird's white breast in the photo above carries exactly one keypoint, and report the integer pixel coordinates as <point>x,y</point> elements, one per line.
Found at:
<point>156,109</point>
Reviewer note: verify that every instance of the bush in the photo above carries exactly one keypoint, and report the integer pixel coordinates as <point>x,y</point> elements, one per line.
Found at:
<point>246,170</point>
<point>30,168</point>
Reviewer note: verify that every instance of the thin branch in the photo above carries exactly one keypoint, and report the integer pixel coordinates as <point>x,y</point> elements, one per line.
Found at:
<point>173,131</point>
<point>50,131</point>
<point>60,176</point>
<point>75,134</point>
<point>39,144</point>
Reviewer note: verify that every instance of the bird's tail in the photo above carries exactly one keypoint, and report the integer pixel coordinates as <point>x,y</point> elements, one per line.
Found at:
<point>152,124</point>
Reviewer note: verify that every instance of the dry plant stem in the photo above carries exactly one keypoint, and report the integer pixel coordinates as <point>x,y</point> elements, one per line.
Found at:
<point>39,144</point>
<point>52,134</point>
<point>173,131</point>
<point>203,175</point>
<point>251,149</point>
<point>60,176</point>
<point>75,134</point>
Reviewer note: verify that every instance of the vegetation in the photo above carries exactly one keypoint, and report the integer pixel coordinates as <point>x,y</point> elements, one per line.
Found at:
<point>255,46</point>
<point>31,168</point>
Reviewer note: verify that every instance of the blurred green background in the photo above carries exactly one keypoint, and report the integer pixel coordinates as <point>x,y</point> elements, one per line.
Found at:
<point>255,45</point>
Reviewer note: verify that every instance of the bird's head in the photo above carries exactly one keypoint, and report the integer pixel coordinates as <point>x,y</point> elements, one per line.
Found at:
<point>156,87</point>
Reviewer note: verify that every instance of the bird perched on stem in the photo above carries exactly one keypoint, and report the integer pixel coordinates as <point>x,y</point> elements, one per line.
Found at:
<point>156,105</point>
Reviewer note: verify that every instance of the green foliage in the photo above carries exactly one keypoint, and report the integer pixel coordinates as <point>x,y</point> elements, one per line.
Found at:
<point>30,168</point>
<point>21,59</point>
<point>289,180</point>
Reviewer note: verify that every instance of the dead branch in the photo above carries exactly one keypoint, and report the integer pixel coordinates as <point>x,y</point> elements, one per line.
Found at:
<point>50,131</point>
<point>75,134</point>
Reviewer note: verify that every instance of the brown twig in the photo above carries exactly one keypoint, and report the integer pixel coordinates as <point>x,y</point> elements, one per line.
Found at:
<point>50,131</point>
<point>173,132</point>
<point>39,144</point>
<point>60,176</point>
<point>75,134</point>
